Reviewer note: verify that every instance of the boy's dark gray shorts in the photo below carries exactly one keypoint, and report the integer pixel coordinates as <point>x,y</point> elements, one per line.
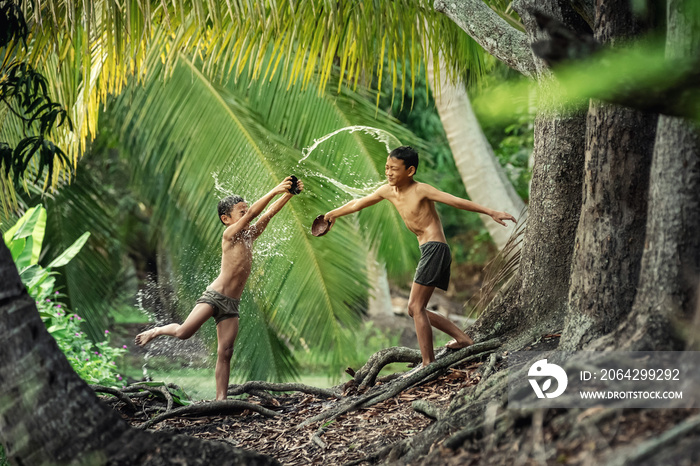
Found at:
<point>434,266</point>
<point>224,307</point>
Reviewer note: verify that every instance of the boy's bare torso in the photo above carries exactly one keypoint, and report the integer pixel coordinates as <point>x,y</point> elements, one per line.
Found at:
<point>236,263</point>
<point>417,211</point>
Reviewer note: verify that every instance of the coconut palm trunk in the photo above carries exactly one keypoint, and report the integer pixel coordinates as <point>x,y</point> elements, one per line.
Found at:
<point>482,175</point>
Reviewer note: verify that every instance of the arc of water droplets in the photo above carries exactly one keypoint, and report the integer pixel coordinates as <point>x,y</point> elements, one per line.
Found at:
<point>353,191</point>
<point>385,137</point>
<point>379,134</point>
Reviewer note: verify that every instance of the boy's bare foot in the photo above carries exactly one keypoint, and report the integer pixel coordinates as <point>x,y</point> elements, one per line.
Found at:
<point>460,343</point>
<point>144,337</point>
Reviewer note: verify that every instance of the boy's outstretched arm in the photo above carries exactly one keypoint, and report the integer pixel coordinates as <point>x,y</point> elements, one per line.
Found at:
<point>257,207</point>
<point>274,209</point>
<point>436,195</point>
<point>354,206</point>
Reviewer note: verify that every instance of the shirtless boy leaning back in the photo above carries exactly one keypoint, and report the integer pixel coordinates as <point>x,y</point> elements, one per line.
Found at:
<point>415,202</point>
<point>221,298</point>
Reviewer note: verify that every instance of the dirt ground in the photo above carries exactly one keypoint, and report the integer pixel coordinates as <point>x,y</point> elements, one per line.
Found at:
<point>350,437</point>
<point>555,438</point>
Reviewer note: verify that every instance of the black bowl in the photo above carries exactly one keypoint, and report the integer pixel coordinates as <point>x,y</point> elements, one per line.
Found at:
<point>294,189</point>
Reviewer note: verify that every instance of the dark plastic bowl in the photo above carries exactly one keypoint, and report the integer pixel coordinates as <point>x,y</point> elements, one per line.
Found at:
<point>294,189</point>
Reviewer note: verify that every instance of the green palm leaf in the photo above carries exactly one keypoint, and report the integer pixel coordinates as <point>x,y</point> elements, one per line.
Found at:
<point>354,157</point>
<point>92,280</point>
<point>89,50</point>
<point>258,338</point>
<point>182,131</point>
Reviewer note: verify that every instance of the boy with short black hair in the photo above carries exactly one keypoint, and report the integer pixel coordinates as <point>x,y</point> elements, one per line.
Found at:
<point>221,299</point>
<point>415,202</point>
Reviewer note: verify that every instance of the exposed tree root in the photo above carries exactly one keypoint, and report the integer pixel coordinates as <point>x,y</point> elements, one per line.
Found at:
<point>376,456</point>
<point>421,374</point>
<point>427,409</point>
<point>138,391</point>
<point>477,418</point>
<point>209,408</point>
<point>115,392</point>
<point>481,422</point>
<point>254,387</point>
<point>638,453</point>
<point>168,397</point>
<point>367,375</point>
<point>486,371</point>
<point>316,438</point>
<point>264,396</point>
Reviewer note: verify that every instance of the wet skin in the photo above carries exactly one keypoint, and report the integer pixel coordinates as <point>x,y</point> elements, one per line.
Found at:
<point>415,203</point>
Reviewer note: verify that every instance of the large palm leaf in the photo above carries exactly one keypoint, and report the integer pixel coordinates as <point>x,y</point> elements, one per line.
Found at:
<point>90,49</point>
<point>181,131</point>
<point>352,156</point>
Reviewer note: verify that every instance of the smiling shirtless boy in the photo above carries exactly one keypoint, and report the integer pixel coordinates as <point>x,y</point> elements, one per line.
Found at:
<point>415,202</point>
<point>221,298</point>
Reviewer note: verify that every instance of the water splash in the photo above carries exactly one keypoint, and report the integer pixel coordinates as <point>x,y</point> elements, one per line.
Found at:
<point>355,192</point>
<point>218,187</point>
<point>158,302</point>
<point>390,141</point>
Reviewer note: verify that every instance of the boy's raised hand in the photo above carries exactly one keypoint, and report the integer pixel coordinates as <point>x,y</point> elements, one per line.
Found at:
<point>284,186</point>
<point>501,216</point>
<point>330,218</point>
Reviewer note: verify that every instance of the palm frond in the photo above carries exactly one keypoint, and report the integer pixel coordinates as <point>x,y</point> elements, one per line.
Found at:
<point>182,131</point>
<point>89,50</point>
<point>261,353</point>
<point>353,156</point>
<point>503,267</point>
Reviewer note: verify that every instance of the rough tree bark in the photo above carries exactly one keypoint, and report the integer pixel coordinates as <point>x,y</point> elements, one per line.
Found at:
<point>610,234</point>
<point>490,31</point>
<point>555,196</point>
<point>48,415</point>
<point>670,271</point>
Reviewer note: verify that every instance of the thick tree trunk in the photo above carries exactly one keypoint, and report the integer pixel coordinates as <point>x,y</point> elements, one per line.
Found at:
<point>555,194</point>
<point>539,303</point>
<point>610,234</point>
<point>48,415</point>
<point>489,30</point>
<point>670,272</point>
<point>549,242</point>
<point>484,179</point>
